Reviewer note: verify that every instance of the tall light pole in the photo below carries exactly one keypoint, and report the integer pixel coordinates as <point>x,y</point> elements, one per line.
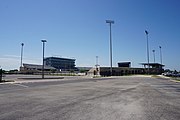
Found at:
<point>154,55</point>
<point>1,74</point>
<point>43,41</point>
<point>96,60</point>
<point>110,22</point>
<point>147,49</point>
<point>97,70</point>
<point>22,44</point>
<point>160,54</point>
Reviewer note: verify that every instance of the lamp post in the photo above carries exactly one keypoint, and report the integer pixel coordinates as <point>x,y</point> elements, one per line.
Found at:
<point>146,32</point>
<point>43,41</point>
<point>22,44</point>
<point>110,22</point>
<point>97,70</point>
<point>154,55</point>
<point>97,62</point>
<point>160,54</point>
<point>1,74</point>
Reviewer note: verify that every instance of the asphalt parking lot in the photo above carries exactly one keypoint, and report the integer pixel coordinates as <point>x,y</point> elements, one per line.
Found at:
<point>85,98</point>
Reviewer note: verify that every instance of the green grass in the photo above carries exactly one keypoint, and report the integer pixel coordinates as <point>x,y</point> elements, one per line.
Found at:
<point>176,78</point>
<point>155,76</point>
<point>96,76</point>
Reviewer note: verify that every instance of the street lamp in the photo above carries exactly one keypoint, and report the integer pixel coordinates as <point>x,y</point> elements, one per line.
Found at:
<point>153,55</point>
<point>147,49</point>
<point>96,60</point>
<point>22,44</point>
<point>110,22</point>
<point>43,41</point>
<point>1,74</point>
<point>97,70</point>
<point>160,54</point>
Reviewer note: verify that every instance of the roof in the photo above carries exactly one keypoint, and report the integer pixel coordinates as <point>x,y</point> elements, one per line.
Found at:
<point>59,58</point>
<point>37,66</point>
<point>124,62</point>
<point>152,64</point>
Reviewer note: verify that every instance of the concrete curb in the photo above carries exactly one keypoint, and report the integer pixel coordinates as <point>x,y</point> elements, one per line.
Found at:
<point>177,81</point>
<point>170,79</point>
<point>41,78</point>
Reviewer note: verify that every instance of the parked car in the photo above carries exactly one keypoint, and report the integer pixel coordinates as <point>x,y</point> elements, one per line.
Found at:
<point>171,74</point>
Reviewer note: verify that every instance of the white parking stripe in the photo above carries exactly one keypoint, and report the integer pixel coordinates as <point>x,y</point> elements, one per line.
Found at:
<point>21,85</point>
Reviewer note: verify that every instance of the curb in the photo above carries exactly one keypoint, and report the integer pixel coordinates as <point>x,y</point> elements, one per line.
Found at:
<point>41,78</point>
<point>177,81</point>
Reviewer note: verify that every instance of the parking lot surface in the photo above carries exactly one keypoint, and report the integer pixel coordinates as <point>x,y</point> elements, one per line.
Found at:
<point>85,98</point>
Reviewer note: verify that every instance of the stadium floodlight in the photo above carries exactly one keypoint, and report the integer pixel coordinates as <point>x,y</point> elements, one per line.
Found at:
<point>147,49</point>
<point>154,55</point>
<point>160,54</point>
<point>110,22</point>
<point>22,44</point>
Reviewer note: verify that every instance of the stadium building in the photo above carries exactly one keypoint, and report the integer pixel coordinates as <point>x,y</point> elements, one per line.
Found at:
<point>124,68</point>
<point>61,64</point>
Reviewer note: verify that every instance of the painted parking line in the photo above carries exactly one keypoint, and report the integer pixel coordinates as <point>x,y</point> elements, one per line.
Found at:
<point>20,85</point>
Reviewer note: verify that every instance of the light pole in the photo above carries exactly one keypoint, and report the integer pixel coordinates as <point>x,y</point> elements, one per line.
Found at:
<point>43,41</point>
<point>22,44</point>
<point>160,54</point>
<point>147,49</point>
<point>110,22</point>
<point>1,74</point>
<point>154,55</point>
<point>97,70</point>
<point>97,62</point>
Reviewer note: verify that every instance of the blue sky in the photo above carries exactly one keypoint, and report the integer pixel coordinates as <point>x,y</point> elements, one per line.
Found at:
<point>77,29</point>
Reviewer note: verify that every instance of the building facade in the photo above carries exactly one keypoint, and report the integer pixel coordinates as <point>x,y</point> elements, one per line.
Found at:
<point>125,69</point>
<point>33,68</point>
<point>124,64</point>
<point>61,64</point>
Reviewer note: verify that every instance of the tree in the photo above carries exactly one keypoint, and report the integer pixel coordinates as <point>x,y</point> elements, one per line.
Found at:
<point>82,71</point>
<point>175,72</point>
<point>53,70</point>
<point>167,70</point>
<point>71,71</point>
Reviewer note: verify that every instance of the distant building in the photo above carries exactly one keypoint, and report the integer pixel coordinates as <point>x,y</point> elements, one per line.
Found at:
<point>62,64</point>
<point>124,64</point>
<point>119,71</point>
<point>154,68</point>
<point>153,65</point>
<point>85,69</point>
<point>33,68</point>
<point>125,69</point>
